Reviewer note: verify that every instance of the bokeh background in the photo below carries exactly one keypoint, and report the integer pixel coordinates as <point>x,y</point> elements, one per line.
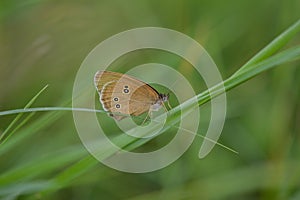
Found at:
<point>45,41</point>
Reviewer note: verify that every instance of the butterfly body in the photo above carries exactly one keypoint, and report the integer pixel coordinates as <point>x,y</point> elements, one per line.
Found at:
<point>123,95</point>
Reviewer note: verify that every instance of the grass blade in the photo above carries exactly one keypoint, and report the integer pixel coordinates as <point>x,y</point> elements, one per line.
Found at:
<point>271,48</point>
<point>3,137</point>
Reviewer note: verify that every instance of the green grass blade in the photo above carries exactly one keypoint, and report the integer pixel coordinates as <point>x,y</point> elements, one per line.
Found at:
<point>64,178</point>
<point>23,188</point>
<point>3,137</point>
<point>288,55</point>
<point>273,47</point>
<point>30,130</point>
<point>45,109</point>
<point>43,165</point>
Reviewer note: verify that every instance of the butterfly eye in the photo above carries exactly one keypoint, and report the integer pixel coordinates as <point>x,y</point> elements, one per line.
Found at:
<point>116,99</point>
<point>126,86</point>
<point>126,90</point>
<point>118,106</point>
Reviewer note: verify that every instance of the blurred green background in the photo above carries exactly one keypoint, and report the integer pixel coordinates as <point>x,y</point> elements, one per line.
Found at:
<point>44,42</point>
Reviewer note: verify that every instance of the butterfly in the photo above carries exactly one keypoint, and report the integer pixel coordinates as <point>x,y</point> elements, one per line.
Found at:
<point>122,95</point>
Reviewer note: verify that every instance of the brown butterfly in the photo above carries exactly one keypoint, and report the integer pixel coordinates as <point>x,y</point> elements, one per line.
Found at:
<point>122,95</point>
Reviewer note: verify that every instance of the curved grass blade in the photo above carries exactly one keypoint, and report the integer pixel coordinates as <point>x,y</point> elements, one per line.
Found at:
<point>3,137</point>
<point>272,47</point>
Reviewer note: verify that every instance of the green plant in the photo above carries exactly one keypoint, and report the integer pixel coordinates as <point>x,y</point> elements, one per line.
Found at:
<point>23,179</point>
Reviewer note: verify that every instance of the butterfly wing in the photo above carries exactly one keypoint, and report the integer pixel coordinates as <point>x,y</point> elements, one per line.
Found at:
<point>120,93</point>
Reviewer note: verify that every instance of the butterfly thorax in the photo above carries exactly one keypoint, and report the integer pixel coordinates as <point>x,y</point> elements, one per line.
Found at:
<point>157,105</point>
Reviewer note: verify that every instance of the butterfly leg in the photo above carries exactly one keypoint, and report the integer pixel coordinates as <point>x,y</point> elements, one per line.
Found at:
<point>166,107</point>
<point>149,114</point>
<point>169,105</point>
<point>145,119</point>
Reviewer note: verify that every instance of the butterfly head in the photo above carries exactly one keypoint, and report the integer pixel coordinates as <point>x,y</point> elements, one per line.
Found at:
<point>164,97</point>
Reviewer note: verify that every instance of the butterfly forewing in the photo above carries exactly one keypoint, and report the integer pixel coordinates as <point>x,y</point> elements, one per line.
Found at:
<point>120,93</point>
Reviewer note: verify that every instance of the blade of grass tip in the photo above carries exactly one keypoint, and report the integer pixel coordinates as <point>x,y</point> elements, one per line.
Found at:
<point>272,47</point>
<point>19,116</point>
<point>285,56</point>
<point>211,140</point>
